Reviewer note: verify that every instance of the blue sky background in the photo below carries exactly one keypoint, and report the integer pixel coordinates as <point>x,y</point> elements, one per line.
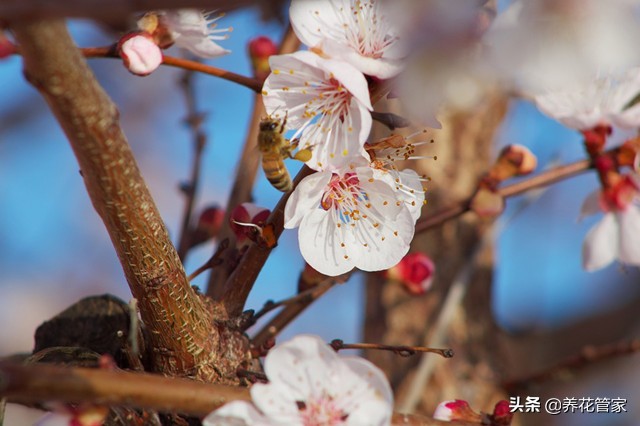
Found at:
<point>54,249</point>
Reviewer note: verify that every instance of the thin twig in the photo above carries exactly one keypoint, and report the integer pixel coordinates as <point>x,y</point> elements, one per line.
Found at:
<point>587,356</point>
<point>252,376</point>
<point>303,297</point>
<point>213,261</point>
<point>401,350</point>
<point>194,120</point>
<point>541,180</point>
<point>289,313</point>
<point>186,64</point>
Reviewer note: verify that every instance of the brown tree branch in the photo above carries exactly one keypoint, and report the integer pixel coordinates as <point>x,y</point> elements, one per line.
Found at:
<point>400,350</point>
<point>543,179</point>
<point>241,280</point>
<point>40,382</point>
<point>245,177</point>
<point>587,356</point>
<point>291,312</point>
<point>182,334</point>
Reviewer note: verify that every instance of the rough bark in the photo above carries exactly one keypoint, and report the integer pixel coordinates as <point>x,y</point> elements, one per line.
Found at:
<point>186,336</point>
<point>464,151</point>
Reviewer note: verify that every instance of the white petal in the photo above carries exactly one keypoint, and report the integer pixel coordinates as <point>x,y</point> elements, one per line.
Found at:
<point>297,370</point>
<point>443,412</point>
<point>369,372</point>
<point>305,20</point>
<point>320,244</point>
<point>382,68</point>
<point>54,419</point>
<point>201,46</point>
<point>410,181</point>
<point>305,197</point>
<point>351,78</point>
<point>186,21</point>
<point>591,204</point>
<point>630,235</point>
<point>236,413</point>
<point>370,413</point>
<point>600,246</point>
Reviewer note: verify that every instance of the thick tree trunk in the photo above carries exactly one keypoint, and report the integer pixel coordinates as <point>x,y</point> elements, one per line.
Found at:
<point>464,151</point>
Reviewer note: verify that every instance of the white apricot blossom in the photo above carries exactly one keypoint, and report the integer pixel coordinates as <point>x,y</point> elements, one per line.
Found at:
<point>603,101</point>
<point>356,31</point>
<point>195,31</point>
<point>350,217</point>
<point>326,100</point>
<point>309,385</point>
<point>617,235</point>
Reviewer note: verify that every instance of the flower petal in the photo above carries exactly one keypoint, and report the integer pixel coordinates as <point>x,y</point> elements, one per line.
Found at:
<point>601,244</point>
<point>321,242</point>
<point>591,204</point>
<point>236,413</point>
<point>629,220</point>
<point>305,197</point>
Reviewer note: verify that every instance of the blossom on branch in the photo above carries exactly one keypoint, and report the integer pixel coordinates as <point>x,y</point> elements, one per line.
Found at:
<point>617,234</point>
<point>196,31</point>
<point>350,217</point>
<point>326,100</point>
<point>605,101</point>
<point>309,384</point>
<point>356,31</point>
<point>187,28</point>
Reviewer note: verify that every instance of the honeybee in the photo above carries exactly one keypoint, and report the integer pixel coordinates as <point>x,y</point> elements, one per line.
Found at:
<point>275,148</point>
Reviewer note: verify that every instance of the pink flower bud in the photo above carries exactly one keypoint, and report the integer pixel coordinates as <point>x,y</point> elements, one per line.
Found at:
<point>210,221</point>
<point>502,415</point>
<point>139,53</point>
<point>247,221</point>
<point>260,48</point>
<point>7,48</point>
<point>456,410</point>
<point>521,158</point>
<point>415,272</point>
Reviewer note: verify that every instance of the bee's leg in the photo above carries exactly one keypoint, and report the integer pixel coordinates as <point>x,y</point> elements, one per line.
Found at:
<point>284,122</point>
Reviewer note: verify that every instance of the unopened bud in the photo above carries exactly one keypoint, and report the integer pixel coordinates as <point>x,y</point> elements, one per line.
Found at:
<point>415,272</point>
<point>260,49</point>
<point>502,415</point>
<point>7,48</point>
<point>309,278</point>
<point>487,202</point>
<point>139,53</point>
<point>210,221</point>
<point>456,410</point>
<point>247,222</point>
<point>521,158</point>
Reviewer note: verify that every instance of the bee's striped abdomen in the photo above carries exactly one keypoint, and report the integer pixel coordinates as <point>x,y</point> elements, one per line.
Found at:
<point>276,172</point>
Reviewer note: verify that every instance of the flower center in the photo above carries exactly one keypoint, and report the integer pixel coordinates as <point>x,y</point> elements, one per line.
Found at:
<point>322,411</point>
<point>344,194</point>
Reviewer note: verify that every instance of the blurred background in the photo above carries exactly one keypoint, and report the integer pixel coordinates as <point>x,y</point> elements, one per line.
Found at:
<point>54,249</point>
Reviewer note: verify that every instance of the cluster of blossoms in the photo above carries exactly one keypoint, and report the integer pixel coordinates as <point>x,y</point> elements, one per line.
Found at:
<point>597,109</point>
<point>187,28</point>
<point>356,211</point>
